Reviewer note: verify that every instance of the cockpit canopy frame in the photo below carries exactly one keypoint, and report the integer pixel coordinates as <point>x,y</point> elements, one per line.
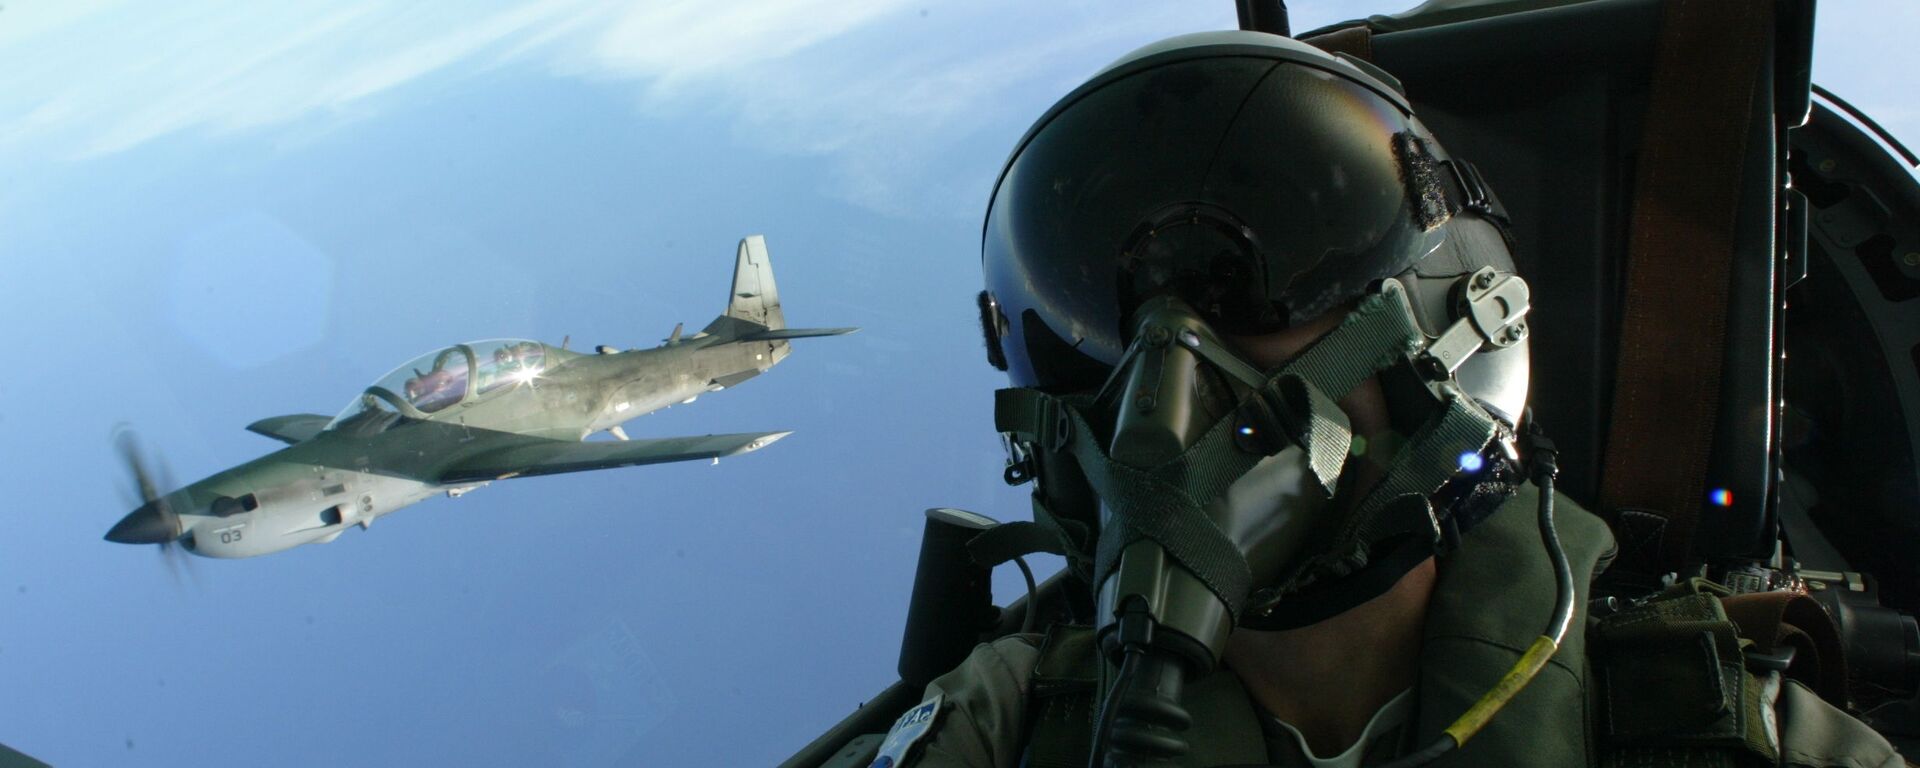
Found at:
<point>436,382</point>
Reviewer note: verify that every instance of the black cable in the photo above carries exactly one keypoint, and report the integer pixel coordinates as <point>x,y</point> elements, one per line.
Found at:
<point>1103,732</point>
<point>1033,596</point>
<point>1545,468</point>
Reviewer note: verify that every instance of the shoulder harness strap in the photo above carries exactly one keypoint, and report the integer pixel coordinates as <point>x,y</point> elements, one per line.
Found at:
<point>1666,390</point>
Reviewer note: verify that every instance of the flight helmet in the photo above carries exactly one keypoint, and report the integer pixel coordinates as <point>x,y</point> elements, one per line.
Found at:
<point>1259,183</point>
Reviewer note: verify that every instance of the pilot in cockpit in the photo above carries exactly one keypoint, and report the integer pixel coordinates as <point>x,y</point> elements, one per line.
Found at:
<point>507,358</point>
<point>513,360</point>
<point>428,386</point>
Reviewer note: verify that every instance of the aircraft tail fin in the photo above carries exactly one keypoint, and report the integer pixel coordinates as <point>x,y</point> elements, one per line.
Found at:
<point>755,299</point>
<point>753,308</point>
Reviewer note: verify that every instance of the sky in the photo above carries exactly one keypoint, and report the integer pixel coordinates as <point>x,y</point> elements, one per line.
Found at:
<point>211,215</point>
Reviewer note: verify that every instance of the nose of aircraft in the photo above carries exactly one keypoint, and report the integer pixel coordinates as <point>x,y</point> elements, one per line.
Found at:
<point>146,525</point>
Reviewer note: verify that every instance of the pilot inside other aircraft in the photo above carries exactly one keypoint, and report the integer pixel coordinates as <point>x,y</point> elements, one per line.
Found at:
<point>440,387</point>
<point>425,385</point>
<point>513,362</point>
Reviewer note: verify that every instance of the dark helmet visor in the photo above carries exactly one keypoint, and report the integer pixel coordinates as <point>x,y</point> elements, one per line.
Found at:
<point>1263,192</point>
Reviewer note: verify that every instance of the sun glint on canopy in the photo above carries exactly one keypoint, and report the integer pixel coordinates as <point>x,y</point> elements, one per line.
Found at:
<point>443,378</point>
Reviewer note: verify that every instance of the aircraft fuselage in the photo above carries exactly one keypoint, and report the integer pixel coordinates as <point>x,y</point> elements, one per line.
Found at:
<point>312,491</point>
<point>459,418</point>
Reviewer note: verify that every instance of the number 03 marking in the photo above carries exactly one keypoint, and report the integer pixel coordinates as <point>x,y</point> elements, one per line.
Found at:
<point>231,535</point>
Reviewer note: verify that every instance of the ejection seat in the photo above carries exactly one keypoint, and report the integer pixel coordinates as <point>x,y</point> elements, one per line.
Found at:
<point>1642,151</point>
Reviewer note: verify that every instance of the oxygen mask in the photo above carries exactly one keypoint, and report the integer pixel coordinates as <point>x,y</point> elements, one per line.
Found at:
<point>1215,477</point>
<point>1215,487</point>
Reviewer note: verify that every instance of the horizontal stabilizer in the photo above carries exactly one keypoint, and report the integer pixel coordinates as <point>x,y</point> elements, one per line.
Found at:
<point>795,333</point>
<point>296,428</point>
<point>732,379</point>
<point>550,457</point>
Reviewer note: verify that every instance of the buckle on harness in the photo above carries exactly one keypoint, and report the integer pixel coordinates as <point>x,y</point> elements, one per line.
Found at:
<point>1020,463</point>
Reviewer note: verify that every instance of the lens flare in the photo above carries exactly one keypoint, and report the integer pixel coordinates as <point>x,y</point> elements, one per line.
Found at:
<point>1471,462</point>
<point>1721,497</point>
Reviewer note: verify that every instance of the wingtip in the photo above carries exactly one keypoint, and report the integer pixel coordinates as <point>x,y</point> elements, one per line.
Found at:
<point>769,439</point>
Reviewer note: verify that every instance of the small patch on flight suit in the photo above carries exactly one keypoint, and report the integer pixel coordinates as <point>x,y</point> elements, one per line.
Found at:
<point>907,731</point>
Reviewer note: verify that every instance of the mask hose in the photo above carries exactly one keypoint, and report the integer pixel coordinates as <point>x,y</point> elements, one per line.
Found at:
<point>1141,721</point>
<point>1177,551</point>
<point>1168,609</point>
<point>1545,467</point>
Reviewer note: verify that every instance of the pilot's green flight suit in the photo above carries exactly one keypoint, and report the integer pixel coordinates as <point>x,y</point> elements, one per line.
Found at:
<point>1489,603</point>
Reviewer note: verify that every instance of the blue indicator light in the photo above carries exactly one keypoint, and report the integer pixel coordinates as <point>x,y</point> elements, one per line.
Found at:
<point>1721,497</point>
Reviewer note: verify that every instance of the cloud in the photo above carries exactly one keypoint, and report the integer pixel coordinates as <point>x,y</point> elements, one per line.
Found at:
<point>94,78</point>
<point>881,86</point>
<point>101,78</point>
<point>679,40</point>
<point>885,90</point>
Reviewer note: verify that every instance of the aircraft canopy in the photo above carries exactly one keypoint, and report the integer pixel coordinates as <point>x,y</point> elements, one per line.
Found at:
<point>438,380</point>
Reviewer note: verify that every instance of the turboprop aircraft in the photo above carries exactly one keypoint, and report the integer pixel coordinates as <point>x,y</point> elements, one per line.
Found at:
<point>458,418</point>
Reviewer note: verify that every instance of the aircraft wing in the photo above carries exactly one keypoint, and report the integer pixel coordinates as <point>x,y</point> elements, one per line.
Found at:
<point>549,457</point>
<point>290,429</point>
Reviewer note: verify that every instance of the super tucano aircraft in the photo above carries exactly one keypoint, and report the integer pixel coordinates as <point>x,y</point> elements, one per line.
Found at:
<point>458,418</point>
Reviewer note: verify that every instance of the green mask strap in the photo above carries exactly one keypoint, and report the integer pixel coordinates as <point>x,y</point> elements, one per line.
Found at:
<point>1167,503</point>
<point>1379,332</point>
<point>1495,307</point>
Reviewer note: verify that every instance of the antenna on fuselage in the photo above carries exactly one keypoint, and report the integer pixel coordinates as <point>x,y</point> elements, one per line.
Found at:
<point>1268,16</point>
